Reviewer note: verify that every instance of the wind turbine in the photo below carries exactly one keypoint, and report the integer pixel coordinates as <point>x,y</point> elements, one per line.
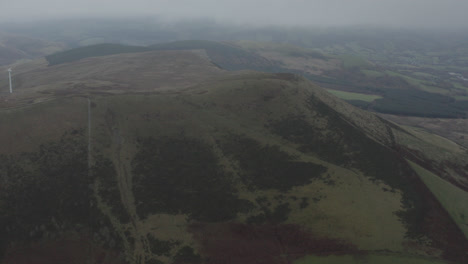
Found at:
<point>9,75</point>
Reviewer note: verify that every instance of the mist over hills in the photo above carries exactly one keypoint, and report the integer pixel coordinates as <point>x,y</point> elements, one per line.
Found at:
<point>165,156</point>
<point>418,14</point>
<point>388,70</point>
<point>365,84</point>
<point>148,141</point>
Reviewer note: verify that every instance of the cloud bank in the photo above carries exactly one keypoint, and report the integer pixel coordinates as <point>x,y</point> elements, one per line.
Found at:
<point>397,13</point>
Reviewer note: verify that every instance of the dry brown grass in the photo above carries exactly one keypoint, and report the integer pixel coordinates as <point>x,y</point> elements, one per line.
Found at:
<point>158,71</point>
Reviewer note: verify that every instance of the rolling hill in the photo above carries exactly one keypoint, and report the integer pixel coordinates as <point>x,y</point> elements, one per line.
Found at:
<point>418,90</point>
<point>15,47</point>
<point>91,51</point>
<point>398,92</point>
<point>224,55</point>
<point>163,157</point>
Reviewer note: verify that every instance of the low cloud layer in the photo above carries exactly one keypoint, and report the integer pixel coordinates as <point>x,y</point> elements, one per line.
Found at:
<point>399,13</point>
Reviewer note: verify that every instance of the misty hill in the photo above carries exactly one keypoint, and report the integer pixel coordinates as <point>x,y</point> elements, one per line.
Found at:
<point>162,157</point>
<point>380,86</point>
<point>224,55</point>
<point>91,51</point>
<point>364,84</point>
<point>17,47</point>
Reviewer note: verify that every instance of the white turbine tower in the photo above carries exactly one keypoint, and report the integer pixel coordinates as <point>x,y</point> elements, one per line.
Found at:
<point>9,75</point>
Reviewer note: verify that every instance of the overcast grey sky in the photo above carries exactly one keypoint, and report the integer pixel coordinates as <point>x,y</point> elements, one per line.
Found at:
<point>431,13</point>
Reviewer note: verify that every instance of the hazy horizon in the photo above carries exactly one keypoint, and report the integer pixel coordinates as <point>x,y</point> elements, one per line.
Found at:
<point>396,13</point>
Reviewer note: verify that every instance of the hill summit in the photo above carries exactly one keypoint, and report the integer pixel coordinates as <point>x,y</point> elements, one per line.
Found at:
<point>164,157</point>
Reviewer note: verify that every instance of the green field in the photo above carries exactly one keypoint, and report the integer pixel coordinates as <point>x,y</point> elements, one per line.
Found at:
<point>370,259</point>
<point>354,96</point>
<point>351,61</point>
<point>286,49</point>
<point>373,74</point>
<point>454,200</point>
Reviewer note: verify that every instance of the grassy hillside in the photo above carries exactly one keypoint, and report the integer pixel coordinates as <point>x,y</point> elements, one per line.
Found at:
<point>91,51</point>
<point>354,59</point>
<point>374,259</point>
<point>214,167</point>
<point>354,96</point>
<point>224,55</point>
<point>453,198</point>
<point>282,48</point>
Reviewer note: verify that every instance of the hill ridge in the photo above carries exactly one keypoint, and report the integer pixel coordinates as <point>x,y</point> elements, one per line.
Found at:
<point>256,157</point>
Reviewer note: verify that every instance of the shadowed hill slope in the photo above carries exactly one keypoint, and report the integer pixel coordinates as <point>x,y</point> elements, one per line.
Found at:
<point>217,167</point>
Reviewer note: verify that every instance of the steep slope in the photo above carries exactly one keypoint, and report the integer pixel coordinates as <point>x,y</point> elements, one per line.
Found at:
<point>187,163</point>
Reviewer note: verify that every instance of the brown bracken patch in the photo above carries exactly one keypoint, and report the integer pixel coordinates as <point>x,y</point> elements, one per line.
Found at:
<point>268,243</point>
